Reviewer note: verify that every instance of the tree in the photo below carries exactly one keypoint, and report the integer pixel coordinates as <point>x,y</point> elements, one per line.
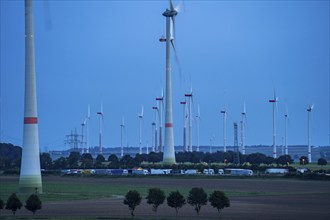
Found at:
<point>86,160</point>
<point>256,158</point>
<point>132,199</point>
<point>33,203</point>
<point>219,200</point>
<point>303,160</point>
<point>284,160</point>
<point>73,159</point>
<point>113,159</point>
<point>176,200</point>
<point>99,160</point>
<point>60,163</point>
<point>2,204</point>
<point>197,197</point>
<point>155,197</point>
<point>322,161</point>
<point>13,203</point>
<point>46,161</point>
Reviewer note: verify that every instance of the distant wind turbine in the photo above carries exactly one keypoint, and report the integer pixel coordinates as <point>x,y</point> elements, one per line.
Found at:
<point>286,132</point>
<point>100,113</point>
<point>309,111</point>
<point>122,126</point>
<point>224,112</point>
<point>184,125</point>
<point>154,130</point>
<point>140,116</point>
<point>243,129</point>
<point>198,118</point>
<point>160,101</point>
<point>190,99</point>
<point>274,102</point>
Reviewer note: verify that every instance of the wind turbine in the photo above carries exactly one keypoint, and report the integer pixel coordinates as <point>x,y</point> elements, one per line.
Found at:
<point>198,118</point>
<point>190,96</point>
<point>243,129</point>
<point>224,112</point>
<point>286,115</point>
<point>87,125</point>
<point>100,113</point>
<point>154,130</point>
<point>274,102</point>
<point>82,136</point>
<point>169,153</point>
<point>184,125</point>
<point>160,101</point>
<point>122,125</point>
<point>309,111</point>
<point>140,116</point>
<point>30,175</point>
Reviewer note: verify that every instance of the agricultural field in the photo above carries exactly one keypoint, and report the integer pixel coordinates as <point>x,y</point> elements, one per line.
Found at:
<point>79,197</point>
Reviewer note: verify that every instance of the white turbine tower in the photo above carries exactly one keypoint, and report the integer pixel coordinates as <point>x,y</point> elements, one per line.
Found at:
<point>190,99</point>
<point>184,104</point>
<point>100,113</point>
<point>243,129</point>
<point>87,125</point>
<point>309,111</point>
<point>122,125</point>
<point>224,112</point>
<point>140,116</point>
<point>274,102</point>
<point>169,153</point>
<point>198,118</point>
<point>160,101</point>
<point>82,136</point>
<point>154,131</point>
<point>286,115</point>
<point>30,175</point>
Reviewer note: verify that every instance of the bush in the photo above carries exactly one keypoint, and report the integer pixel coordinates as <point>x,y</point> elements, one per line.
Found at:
<point>13,203</point>
<point>33,203</point>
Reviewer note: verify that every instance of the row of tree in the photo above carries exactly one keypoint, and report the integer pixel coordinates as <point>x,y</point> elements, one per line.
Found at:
<point>33,203</point>
<point>197,198</point>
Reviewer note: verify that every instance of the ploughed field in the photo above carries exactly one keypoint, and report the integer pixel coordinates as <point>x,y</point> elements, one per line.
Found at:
<point>78,197</point>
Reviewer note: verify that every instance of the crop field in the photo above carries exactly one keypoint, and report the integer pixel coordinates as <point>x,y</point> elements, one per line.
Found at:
<point>78,197</point>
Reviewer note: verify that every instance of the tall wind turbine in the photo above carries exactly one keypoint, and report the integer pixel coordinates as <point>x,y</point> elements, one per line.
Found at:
<point>198,118</point>
<point>30,175</point>
<point>100,113</point>
<point>309,111</point>
<point>160,101</point>
<point>140,116</point>
<point>274,102</point>
<point>224,112</point>
<point>243,129</point>
<point>169,153</point>
<point>154,130</point>
<point>87,125</point>
<point>82,136</point>
<point>190,99</point>
<point>286,132</point>
<point>122,125</point>
<point>184,125</point>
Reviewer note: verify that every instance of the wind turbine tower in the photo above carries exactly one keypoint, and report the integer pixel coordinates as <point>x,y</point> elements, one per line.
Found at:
<point>169,153</point>
<point>309,111</point>
<point>190,96</point>
<point>243,129</point>
<point>140,115</point>
<point>160,101</point>
<point>184,125</point>
<point>286,133</point>
<point>30,175</point>
<point>274,102</point>
<point>224,112</point>
<point>198,118</point>
<point>154,130</point>
<point>122,125</point>
<point>87,125</point>
<point>100,113</point>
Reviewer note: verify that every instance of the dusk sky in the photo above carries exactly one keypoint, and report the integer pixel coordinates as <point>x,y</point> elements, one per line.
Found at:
<point>231,52</point>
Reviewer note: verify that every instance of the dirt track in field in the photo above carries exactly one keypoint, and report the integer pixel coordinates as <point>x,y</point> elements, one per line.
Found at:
<point>293,199</point>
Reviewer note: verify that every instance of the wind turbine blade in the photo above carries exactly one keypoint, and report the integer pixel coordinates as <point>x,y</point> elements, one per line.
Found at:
<point>177,59</point>
<point>88,112</point>
<point>171,6</point>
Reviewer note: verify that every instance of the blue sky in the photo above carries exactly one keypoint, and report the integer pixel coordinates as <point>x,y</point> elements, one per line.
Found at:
<point>230,52</point>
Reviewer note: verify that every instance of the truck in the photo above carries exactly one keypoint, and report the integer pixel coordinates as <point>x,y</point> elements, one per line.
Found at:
<point>119,172</point>
<point>208,171</point>
<point>140,172</point>
<point>221,172</point>
<point>240,172</point>
<point>190,172</point>
<point>159,171</point>
<point>276,171</point>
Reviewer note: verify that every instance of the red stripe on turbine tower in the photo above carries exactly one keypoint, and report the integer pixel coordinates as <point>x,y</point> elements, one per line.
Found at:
<point>30,120</point>
<point>168,125</point>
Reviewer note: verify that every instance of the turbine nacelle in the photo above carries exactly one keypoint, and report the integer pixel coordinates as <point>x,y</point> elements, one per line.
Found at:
<point>310,108</point>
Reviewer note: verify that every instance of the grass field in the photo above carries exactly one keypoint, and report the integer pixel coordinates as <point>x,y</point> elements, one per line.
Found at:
<point>101,198</point>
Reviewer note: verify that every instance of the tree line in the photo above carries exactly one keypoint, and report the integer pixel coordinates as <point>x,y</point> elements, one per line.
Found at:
<point>197,198</point>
